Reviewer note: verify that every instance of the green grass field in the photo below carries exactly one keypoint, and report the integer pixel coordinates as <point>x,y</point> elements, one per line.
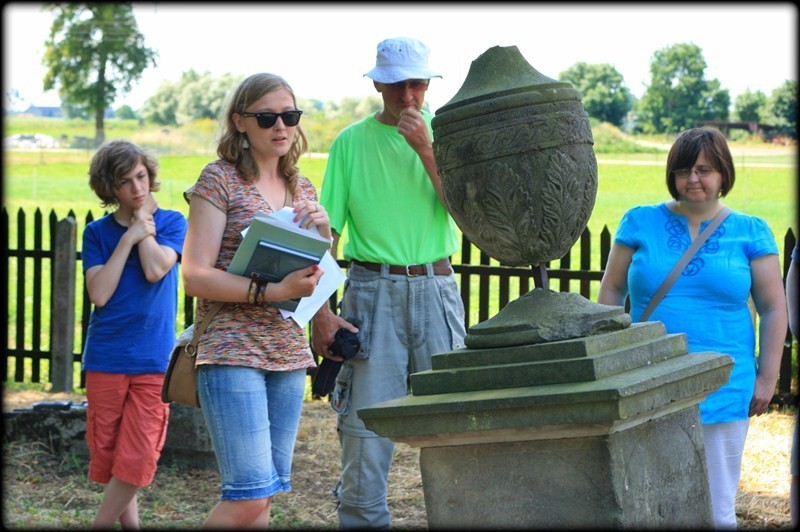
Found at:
<point>57,180</point>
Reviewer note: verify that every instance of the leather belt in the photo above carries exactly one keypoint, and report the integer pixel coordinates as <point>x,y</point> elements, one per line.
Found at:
<point>440,267</point>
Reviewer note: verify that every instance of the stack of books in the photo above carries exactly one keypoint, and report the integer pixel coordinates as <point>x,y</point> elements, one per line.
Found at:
<point>274,246</point>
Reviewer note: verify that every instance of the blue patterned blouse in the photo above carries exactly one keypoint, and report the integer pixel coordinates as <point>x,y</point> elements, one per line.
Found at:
<point>708,301</point>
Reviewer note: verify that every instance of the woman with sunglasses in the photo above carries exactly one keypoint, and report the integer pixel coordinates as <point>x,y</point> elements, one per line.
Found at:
<point>709,300</point>
<point>251,363</point>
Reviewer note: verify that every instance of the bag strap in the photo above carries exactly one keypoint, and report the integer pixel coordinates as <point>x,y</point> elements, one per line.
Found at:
<point>684,260</point>
<point>201,328</point>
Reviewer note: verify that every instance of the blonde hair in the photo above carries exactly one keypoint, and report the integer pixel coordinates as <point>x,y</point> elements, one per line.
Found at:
<point>231,144</point>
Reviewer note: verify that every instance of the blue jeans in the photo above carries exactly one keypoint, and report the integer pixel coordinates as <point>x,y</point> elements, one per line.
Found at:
<point>252,417</point>
<point>402,322</point>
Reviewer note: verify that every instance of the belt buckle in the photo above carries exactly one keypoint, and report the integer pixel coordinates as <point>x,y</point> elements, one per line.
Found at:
<point>408,270</point>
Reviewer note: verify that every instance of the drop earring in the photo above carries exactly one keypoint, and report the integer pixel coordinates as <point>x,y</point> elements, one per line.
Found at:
<point>245,144</point>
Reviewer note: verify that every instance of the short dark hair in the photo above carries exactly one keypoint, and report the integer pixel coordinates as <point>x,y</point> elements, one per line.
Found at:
<point>687,148</point>
<point>114,160</point>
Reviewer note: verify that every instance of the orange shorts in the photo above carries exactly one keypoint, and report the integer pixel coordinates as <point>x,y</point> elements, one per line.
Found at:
<point>126,425</point>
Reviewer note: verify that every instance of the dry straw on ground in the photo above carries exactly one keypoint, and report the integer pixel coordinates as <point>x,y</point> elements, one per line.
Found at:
<point>43,490</point>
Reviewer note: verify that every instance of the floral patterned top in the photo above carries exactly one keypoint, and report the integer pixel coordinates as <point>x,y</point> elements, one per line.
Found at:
<point>242,334</point>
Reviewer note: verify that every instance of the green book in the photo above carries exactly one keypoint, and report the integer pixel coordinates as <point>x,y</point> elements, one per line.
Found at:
<point>274,246</point>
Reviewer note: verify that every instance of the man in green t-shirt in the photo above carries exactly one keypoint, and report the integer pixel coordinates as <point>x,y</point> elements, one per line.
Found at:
<point>401,297</point>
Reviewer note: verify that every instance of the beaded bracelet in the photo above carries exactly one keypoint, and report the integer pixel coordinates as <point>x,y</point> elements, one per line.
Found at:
<point>261,291</point>
<point>252,290</point>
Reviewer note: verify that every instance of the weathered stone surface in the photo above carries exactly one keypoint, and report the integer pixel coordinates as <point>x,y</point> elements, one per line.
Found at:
<point>652,476</point>
<point>63,427</point>
<point>531,412</point>
<point>533,373</point>
<point>544,315</point>
<point>187,441</point>
<point>514,153</point>
<point>573,348</point>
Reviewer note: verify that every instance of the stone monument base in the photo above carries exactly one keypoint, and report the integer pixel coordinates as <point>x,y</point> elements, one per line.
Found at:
<point>649,476</point>
<point>63,426</point>
<point>596,432</point>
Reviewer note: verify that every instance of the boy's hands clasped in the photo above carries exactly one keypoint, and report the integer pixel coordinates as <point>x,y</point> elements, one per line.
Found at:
<point>142,223</point>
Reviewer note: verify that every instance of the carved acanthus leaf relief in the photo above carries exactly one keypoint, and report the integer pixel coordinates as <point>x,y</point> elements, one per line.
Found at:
<point>522,211</point>
<point>508,217</point>
<point>563,205</point>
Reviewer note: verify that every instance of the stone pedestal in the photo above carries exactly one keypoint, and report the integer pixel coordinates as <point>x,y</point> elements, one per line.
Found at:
<point>601,431</point>
<point>188,442</point>
<point>63,426</point>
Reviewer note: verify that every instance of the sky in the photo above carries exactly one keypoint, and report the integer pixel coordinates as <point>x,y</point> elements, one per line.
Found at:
<point>323,49</point>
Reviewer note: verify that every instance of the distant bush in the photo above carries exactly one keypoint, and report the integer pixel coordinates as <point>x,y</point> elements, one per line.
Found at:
<point>610,139</point>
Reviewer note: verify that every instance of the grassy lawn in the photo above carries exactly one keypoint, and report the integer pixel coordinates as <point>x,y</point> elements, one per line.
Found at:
<point>57,180</point>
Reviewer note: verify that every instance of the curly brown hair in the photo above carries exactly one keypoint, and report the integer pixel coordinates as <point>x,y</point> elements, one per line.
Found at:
<point>230,147</point>
<point>114,160</point>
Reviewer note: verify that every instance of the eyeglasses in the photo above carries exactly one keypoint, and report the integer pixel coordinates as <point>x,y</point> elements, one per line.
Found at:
<point>701,171</point>
<point>267,120</point>
<point>416,85</point>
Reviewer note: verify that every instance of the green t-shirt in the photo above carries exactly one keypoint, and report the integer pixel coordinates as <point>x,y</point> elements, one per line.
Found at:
<point>377,187</point>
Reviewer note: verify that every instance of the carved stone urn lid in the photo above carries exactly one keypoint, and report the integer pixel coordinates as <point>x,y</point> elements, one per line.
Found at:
<point>543,315</point>
<point>502,71</point>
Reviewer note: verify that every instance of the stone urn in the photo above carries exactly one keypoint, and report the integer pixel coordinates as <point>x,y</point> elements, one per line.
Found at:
<point>558,413</point>
<point>514,151</point>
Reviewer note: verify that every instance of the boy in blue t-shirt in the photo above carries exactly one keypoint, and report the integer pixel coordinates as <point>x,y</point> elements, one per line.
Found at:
<point>130,265</point>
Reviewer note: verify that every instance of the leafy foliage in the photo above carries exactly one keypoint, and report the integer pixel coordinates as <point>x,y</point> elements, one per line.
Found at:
<point>194,96</point>
<point>93,54</point>
<point>603,92</point>
<point>323,121</point>
<point>125,112</point>
<point>197,96</point>
<point>609,139</point>
<point>679,95</point>
<point>782,108</point>
<point>750,106</point>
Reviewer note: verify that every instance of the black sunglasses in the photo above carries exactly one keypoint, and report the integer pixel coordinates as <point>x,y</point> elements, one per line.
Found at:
<point>267,120</point>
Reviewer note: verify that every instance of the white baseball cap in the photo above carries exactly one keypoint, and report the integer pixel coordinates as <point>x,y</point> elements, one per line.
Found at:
<point>399,59</point>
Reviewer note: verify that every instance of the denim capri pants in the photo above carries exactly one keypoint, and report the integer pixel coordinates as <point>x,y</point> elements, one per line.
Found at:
<point>252,417</point>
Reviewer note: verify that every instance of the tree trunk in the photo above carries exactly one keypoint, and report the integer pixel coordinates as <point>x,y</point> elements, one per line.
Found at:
<point>100,109</point>
<point>99,127</point>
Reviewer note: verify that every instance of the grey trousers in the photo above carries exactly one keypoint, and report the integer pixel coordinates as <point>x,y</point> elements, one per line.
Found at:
<point>402,322</point>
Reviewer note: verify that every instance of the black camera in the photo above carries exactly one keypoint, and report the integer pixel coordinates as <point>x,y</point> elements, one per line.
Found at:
<point>345,344</point>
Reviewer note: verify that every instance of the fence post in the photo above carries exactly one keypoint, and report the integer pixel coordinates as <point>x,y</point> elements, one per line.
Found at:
<point>63,295</point>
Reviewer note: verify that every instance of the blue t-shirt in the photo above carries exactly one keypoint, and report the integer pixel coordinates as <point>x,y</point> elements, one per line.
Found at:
<point>135,331</point>
<point>708,301</point>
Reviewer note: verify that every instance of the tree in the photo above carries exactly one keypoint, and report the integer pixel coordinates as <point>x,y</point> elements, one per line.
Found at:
<point>94,53</point>
<point>750,106</point>
<point>192,97</point>
<point>679,94</point>
<point>603,94</point>
<point>160,107</point>
<point>782,109</point>
<point>126,112</point>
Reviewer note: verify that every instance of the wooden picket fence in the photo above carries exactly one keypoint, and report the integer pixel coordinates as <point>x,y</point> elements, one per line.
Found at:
<point>51,306</point>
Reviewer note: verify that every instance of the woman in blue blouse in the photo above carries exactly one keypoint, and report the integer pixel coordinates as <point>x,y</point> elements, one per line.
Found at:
<point>709,300</point>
